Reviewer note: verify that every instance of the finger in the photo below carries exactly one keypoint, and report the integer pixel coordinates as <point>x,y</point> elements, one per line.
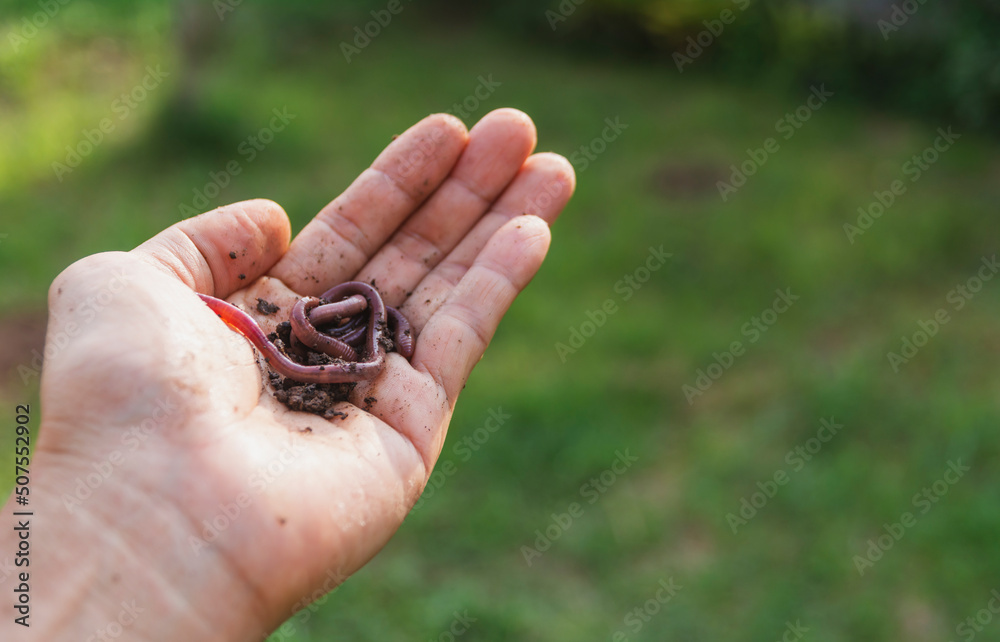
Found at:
<point>223,250</point>
<point>498,146</point>
<point>455,338</point>
<point>347,232</point>
<point>542,188</point>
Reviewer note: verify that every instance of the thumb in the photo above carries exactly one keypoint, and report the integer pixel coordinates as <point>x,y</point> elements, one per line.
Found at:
<point>221,251</point>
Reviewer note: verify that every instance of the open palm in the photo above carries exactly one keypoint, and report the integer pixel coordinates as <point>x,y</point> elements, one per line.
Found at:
<point>228,493</point>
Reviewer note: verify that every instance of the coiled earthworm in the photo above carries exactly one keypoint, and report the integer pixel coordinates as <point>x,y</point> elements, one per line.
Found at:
<point>340,306</point>
<point>305,332</point>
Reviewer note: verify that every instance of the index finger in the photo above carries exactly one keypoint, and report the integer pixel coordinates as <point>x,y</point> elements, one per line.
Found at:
<point>347,232</point>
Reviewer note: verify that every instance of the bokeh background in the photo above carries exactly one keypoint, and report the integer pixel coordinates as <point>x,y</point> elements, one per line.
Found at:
<point>898,72</point>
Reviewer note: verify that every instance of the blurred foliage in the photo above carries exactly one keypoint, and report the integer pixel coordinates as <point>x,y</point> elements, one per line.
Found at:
<point>941,62</point>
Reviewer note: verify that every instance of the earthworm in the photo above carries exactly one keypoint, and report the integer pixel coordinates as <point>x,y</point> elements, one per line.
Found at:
<point>306,332</point>
<point>401,332</point>
<point>351,332</point>
<point>341,306</point>
<point>329,312</point>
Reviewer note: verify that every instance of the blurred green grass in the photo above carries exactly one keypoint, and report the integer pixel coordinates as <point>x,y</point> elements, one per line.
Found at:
<point>665,517</point>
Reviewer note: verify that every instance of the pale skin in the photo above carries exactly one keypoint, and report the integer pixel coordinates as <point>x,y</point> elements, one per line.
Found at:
<point>156,422</point>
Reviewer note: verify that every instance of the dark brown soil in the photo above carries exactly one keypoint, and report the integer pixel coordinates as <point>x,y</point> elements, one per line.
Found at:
<point>266,307</point>
<point>317,398</point>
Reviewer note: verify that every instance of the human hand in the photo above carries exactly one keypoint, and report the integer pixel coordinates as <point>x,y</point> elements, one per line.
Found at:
<point>223,511</point>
